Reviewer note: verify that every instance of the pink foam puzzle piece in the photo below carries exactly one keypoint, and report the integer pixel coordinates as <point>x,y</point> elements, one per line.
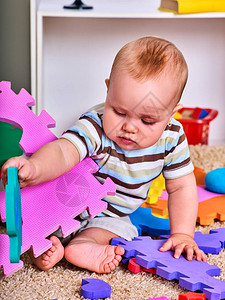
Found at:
<point>192,275</point>
<point>14,109</point>
<point>52,205</point>
<point>159,298</point>
<point>8,267</point>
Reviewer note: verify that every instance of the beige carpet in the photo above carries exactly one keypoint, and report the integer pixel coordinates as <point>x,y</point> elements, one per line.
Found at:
<point>64,280</point>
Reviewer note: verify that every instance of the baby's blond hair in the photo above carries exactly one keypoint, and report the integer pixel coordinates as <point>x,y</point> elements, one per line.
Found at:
<point>147,57</point>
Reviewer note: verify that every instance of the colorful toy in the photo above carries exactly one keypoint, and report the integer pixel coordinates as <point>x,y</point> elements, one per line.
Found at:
<point>53,205</point>
<point>199,113</point>
<point>191,296</point>
<point>209,243</point>
<point>143,219</point>
<point>215,181</point>
<point>93,288</point>
<point>192,275</point>
<point>156,188</point>
<point>14,109</point>
<point>211,206</point>
<point>13,214</point>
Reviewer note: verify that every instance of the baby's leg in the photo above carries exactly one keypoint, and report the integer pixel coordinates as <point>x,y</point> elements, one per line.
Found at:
<point>48,259</point>
<point>90,250</point>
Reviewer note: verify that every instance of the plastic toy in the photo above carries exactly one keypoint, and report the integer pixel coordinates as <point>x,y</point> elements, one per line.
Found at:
<point>191,296</point>
<point>13,214</point>
<point>53,205</point>
<point>78,4</point>
<point>93,288</point>
<point>143,219</point>
<point>209,243</point>
<point>199,113</point>
<point>215,181</point>
<point>192,275</point>
<point>14,109</point>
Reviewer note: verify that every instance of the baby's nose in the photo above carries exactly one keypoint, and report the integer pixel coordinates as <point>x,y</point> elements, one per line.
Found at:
<point>129,126</point>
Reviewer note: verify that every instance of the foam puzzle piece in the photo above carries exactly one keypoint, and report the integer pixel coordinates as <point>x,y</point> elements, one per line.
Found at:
<point>52,205</point>
<point>208,210</point>
<point>192,275</point>
<point>192,296</point>
<point>156,188</point>
<point>93,288</point>
<point>135,268</point>
<point>210,243</point>
<point>143,219</point>
<point>14,109</point>
<point>159,298</point>
<point>211,209</point>
<point>13,214</point>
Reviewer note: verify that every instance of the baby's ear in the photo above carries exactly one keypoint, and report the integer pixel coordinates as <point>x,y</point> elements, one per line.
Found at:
<point>107,83</point>
<point>175,110</point>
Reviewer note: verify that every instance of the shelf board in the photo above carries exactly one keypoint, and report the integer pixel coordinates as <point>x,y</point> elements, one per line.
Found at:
<point>115,9</point>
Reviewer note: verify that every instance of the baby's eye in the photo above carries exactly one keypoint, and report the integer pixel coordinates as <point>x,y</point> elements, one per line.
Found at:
<point>118,113</point>
<point>148,122</point>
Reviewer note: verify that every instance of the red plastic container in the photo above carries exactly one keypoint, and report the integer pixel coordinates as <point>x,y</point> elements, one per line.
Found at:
<point>197,130</point>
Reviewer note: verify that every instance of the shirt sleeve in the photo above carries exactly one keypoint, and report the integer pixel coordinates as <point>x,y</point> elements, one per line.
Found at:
<point>86,134</point>
<point>177,162</point>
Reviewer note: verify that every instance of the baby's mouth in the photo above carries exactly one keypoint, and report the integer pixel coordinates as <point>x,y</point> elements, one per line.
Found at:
<point>126,140</point>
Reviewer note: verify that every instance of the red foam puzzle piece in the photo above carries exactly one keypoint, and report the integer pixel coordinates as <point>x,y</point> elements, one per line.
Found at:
<point>192,296</point>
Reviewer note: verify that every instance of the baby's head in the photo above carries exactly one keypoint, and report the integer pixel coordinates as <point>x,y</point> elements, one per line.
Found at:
<point>147,80</point>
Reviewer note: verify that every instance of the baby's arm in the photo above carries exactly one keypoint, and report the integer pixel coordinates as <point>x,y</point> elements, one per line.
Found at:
<point>183,208</point>
<point>47,163</point>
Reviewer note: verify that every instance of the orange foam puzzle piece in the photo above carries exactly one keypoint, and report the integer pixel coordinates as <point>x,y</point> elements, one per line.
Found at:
<point>211,209</point>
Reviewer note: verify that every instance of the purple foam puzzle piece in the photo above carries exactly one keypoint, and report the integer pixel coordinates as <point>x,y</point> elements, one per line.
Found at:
<point>192,275</point>
<point>209,243</point>
<point>52,205</point>
<point>14,109</point>
<point>93,288</point>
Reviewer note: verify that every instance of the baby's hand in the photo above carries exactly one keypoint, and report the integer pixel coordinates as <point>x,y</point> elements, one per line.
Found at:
<point>26,170</point>
<point>183,243</point>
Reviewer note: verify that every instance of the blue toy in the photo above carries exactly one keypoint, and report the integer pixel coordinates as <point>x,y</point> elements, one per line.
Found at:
<point>13,214</point>
<point>93,288</point>
<point>215,181</point>
<point>143,219</point>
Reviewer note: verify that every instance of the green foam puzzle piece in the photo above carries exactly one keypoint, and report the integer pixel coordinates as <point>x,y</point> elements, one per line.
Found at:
<point>13,214</point>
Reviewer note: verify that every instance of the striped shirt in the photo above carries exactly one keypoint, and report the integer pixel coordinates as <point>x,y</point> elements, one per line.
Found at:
<point>131,170</point>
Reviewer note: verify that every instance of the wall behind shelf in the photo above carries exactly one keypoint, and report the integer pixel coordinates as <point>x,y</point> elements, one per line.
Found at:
<point>15,43</point>
<point>78,54</point>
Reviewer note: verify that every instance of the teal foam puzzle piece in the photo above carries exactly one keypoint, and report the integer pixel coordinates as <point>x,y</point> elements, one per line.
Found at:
<point>13,214</point>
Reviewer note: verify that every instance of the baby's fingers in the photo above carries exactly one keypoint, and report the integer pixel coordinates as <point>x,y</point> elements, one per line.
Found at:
<point>200,255</point>
<point>166,246</point>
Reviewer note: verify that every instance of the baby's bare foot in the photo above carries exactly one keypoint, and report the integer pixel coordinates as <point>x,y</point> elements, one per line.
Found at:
<point>48,259</point>
<point>94,257</point>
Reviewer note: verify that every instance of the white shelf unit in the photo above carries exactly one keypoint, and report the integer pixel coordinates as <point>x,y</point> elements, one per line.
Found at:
<point>72,53</point>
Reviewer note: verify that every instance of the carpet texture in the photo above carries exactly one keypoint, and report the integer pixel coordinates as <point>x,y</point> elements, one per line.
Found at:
<point>64,280</point>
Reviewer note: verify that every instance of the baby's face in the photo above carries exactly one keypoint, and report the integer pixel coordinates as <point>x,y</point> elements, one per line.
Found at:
<point>136,113</point>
